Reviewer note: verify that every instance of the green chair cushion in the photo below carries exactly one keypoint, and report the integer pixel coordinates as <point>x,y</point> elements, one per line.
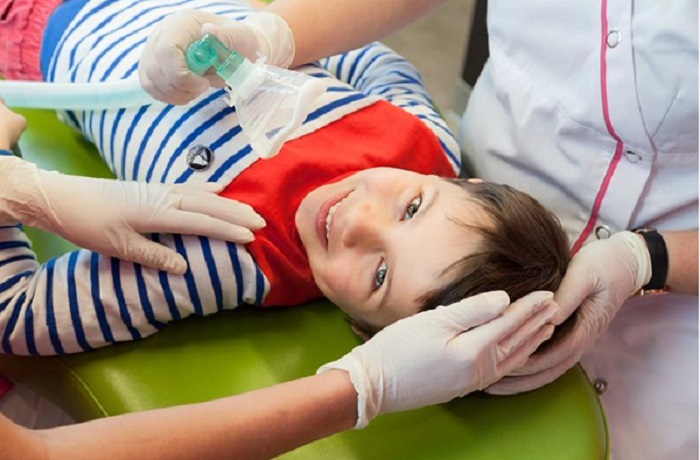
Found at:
<point>198,359</point>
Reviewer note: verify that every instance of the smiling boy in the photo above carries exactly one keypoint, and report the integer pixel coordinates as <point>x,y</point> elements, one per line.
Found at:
<point>386,239</point>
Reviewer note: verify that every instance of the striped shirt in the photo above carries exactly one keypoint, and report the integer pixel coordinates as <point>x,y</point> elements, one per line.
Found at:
<point>83,300</point>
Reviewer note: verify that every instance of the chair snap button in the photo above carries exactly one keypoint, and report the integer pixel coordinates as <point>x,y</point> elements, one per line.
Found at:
<point>600,386</point>
<point>633,157</point>
<point>199,157</point>
<point>602,232</point>
<point>614,38</point>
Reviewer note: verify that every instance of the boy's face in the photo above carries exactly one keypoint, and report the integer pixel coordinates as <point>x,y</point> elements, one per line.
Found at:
<point>379,239</point>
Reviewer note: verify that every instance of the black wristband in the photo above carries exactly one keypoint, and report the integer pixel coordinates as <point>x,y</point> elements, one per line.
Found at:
<point>659,258</point>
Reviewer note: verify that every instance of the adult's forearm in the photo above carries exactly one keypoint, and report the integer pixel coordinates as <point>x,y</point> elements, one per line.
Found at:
<point>10,173</point>
<point>20,196</point>
<point>322,28</point>
<point>682,261</point>
<point>257,425</point>
<point>17,442</point>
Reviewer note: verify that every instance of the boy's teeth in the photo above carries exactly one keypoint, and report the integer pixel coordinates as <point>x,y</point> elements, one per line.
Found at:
<point>329,218</point>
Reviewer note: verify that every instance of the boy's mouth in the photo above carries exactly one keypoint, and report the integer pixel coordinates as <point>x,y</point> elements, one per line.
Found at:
<point>324,219</point>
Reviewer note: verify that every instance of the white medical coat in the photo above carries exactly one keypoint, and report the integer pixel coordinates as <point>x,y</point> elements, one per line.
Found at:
<point>592,107</point>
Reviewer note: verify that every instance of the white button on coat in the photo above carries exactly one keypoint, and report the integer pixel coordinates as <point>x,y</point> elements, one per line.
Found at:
<point>614,38</point>
<point>602,232</point>
<point>633,157</point>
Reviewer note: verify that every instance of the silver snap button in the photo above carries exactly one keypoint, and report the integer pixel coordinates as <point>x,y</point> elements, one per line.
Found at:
<point>602,232</point>
<point>199,157</point>
<point>633,157</point>
<point>614,38</point>
<point>600,386</point>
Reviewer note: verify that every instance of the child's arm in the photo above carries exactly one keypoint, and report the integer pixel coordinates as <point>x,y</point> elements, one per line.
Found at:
<point>376,70</point>
<point>84,300</point>
<point>110,216</point>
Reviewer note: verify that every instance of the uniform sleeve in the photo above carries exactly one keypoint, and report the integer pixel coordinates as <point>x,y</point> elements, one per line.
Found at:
<point>376,70</point>
<point>84,300</point>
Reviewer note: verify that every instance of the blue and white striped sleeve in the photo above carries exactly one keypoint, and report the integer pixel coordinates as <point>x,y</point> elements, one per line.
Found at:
<point>376,70</point>
<point>84,300</point>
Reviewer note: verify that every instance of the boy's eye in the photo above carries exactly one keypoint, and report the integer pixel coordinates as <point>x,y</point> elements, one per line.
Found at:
<point>412,208</point>
<point>380,275</point>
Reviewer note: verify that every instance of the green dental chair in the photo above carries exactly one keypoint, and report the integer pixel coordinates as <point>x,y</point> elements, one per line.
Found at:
<point>199,359</point>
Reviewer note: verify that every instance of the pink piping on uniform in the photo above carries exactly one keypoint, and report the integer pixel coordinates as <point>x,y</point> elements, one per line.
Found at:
<point>618,148</point>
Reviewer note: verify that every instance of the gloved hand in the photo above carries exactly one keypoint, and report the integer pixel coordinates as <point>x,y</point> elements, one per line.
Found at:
<point>597,282</point>
<point>109,216</point>
<point>441,354</point>
<point>163,69</point>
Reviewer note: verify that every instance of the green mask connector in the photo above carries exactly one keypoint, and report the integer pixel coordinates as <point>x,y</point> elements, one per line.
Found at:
<point>210,52</point>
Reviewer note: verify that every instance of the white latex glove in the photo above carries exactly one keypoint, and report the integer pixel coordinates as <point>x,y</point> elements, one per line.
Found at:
<point>441,354</point>
<point>163,69</point>
<point>109,216</point>
<point>597,282</point>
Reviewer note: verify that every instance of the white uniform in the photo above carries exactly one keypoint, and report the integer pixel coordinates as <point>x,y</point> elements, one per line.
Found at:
<point>592,107</point>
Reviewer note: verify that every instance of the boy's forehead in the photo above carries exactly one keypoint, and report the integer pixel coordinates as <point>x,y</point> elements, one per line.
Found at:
<point>463,207</point>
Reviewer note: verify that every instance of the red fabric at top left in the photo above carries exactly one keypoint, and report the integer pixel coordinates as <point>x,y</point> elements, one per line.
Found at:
<point>22,24</point>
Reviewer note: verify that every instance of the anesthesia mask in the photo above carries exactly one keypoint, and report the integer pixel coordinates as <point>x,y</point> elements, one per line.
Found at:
<point>271,102</point>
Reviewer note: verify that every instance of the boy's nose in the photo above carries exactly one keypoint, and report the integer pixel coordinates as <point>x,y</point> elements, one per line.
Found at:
<point>364,226</point>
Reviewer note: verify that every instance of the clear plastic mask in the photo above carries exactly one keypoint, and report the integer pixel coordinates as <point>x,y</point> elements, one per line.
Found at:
<point>271,102</point>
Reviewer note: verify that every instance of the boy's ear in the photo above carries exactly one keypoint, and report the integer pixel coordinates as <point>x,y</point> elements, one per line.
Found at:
<point>359,330</point>
<point>476,180</point>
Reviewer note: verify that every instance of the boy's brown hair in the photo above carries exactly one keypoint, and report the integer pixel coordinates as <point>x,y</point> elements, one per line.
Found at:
<point>522,249</point>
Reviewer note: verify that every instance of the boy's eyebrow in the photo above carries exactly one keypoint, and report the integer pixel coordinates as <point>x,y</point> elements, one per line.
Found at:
<point>419,217</point>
